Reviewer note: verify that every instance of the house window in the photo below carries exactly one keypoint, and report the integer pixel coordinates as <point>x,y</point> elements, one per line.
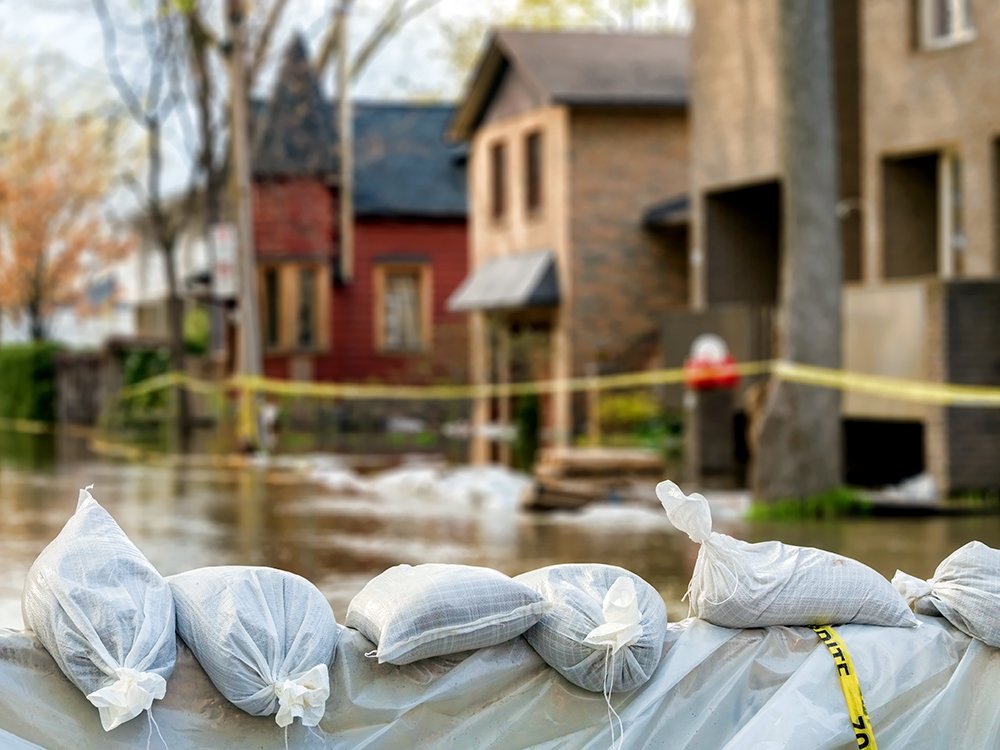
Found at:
<point>944,23</point>
<point>307,308</point>
<point>403,308</point>
<point>533,172</point>
<point>498,180</point>
<point>272,307</point>
<point>294,304</point>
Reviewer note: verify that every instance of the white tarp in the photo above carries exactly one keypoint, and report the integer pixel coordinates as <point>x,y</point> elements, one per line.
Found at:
<point>927,687</point>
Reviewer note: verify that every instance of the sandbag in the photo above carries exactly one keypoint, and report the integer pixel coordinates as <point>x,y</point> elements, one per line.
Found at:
<point>416,612</point>
<point>741,585</point>
<point>264,637</point>
<point>965,590</point>
<point>103,613</point>
<point>606,629</point>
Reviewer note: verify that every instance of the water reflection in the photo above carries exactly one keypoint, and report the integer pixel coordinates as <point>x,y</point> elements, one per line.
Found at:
<point>188,517</point>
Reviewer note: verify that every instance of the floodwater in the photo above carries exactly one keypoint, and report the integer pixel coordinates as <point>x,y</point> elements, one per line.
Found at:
<point>276,515</point>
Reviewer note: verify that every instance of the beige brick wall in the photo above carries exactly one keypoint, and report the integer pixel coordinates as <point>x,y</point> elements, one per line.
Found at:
<point>735,114</point>
<point>623,279</point>
<point>516,231</point>
<point>918,100</point>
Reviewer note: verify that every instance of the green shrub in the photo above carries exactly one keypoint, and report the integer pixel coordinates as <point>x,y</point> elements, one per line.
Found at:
<point>838,503</point>
<point>140,365</point>
<point>624,412</point>
<point>28,381</point>
<point>197,330</point>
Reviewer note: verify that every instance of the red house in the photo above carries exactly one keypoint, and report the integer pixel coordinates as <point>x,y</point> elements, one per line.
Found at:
<point>389,322</point>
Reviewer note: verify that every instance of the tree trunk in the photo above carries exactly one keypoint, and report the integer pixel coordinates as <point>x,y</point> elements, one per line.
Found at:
<point>36,323</point>
<point>175,329</point>
<point>798,434</point>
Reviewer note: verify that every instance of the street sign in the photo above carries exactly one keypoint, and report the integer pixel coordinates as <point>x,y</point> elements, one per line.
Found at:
<point>226,273</point>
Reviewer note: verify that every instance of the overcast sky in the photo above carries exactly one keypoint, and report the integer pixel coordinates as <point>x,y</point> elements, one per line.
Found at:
<point>64,35</point>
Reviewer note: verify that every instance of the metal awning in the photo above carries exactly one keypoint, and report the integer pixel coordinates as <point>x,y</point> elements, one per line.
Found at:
<point>514,281</point>
<point>675,212</point>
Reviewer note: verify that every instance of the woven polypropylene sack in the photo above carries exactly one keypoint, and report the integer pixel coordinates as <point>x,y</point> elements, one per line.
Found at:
<point>265,638</point>
<point>965,590</point>
<point>740,585</point>
<point>576,594</point>
<point>416,612</point>
<point>103,613</point>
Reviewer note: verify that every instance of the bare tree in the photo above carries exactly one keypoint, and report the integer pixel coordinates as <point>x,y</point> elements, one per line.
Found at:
<point>152,93</point>
<point>798,436</point>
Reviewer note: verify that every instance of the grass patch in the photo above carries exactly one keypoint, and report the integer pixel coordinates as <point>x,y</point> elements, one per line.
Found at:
<point>843,502</point>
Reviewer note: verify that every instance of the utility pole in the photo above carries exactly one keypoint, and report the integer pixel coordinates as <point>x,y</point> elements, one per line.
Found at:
<point>249,359</point>
<point>345,127</point>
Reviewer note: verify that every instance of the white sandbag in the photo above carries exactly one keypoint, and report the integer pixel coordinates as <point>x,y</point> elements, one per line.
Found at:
<point>965,590</point>
<point>104,613</point>
<point>741,585</point>
<point>606,629</point>
<point>264,637</point>
<point>416,612</point>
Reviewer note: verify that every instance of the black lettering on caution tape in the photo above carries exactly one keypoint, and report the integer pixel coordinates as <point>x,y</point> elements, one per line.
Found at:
<point>861,723</point>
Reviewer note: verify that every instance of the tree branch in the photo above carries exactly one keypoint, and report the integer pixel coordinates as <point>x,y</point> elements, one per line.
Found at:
<point>118,80</point>
<point>274,15</point>
<point>394,19</point>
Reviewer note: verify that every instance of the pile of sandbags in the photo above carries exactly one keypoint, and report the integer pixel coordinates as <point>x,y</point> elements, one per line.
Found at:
<point>267,638</point>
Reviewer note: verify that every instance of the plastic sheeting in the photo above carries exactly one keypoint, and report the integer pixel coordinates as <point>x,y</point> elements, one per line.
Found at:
<point>762,689</point>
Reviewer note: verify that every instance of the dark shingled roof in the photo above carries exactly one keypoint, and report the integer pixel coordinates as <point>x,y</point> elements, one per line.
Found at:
<point>603,68</point>
<point>403,164</point>
<point>581,69</point>
<point>295,134</point>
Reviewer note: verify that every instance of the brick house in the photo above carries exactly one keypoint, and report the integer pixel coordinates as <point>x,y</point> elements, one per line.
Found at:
<point>573,137</point>
<point>388,323</point>
<point>919,158</point>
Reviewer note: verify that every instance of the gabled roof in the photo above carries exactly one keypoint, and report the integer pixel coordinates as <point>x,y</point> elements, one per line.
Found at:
<point>403,166</point>
<point>295,135</point>
<point>580,69</point>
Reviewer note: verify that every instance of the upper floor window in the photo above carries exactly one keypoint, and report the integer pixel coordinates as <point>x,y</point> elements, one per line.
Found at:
<point>498,180</point>
<point>944,23</point>
<point>533,172</point>
<point>403,307</point>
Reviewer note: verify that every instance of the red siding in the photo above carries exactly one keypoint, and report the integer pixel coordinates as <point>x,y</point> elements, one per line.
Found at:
<point>444,245</point>
<point>293,217</point>
<point>276,366</point>
<point>298,217</point>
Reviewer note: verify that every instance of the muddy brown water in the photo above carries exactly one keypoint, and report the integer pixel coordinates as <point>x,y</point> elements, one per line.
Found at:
<point>186,517</point>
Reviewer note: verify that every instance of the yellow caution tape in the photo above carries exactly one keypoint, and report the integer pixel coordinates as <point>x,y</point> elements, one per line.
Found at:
<point>861,723</point>
<point>938,394</point>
